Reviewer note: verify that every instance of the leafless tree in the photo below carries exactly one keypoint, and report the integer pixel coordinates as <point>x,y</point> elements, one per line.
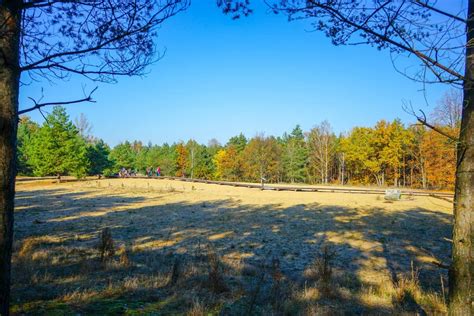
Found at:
<point>438,37</point>
<point>53,40</point>
<point>448,110</point>
<point>83,126</point>
<point>321,148</point>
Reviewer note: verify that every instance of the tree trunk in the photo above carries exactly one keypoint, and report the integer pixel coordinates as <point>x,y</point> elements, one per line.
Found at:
<point>9,85</point>
<point>462,268</point>
<point>343,167</point>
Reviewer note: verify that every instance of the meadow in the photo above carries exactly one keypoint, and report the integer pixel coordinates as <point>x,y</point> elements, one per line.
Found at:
<point>161,247</point>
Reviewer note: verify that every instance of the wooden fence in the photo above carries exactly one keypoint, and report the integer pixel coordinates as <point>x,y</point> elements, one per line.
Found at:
<point>441,195</point>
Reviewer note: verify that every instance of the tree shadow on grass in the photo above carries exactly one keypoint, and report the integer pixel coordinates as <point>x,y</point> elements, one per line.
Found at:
<point>370,247</point>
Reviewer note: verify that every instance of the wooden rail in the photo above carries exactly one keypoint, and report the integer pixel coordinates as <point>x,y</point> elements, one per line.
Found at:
<point>441,195</point>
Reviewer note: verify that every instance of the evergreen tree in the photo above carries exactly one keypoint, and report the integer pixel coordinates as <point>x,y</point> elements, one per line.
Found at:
<point>239,142</point>
<point>295,155</point>
<point>26,131</point>
<point>57,147</point>
<point>98,157</point>
<point>204,167</point>
<point>123,156</point>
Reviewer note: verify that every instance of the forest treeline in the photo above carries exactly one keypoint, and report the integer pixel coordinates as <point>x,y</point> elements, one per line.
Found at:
<point>388,153</point>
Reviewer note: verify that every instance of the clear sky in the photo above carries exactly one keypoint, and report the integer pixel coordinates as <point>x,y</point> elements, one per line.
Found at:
<point>220,77</point>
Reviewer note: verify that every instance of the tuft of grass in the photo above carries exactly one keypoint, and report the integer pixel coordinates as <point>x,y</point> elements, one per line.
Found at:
<point>216,276</point>
<point>175,272</point>
<point>106,245</point>
<point>321,270</point>
<point>124,259</point>
<point>409,296</point>
<point>197,309</point>
<point>276,291</point>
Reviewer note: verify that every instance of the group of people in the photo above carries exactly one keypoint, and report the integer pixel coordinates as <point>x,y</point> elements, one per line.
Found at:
<point>150,172</point>
<point>125,173</point>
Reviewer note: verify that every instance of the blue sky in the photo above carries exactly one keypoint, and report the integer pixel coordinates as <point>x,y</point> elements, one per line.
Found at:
<point>220,77</point>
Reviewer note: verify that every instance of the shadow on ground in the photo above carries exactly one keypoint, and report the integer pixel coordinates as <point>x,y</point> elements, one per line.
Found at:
<point>220,256</point>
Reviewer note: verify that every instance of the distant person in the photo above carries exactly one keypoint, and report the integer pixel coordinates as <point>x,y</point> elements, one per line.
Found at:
<point>122,172</point>
<point>147,171</point>
<point>158,171</point>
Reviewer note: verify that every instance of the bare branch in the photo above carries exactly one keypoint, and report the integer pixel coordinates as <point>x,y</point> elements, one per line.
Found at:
<point>423,121</point>
<point>447,14</point>
<point>38,106</point>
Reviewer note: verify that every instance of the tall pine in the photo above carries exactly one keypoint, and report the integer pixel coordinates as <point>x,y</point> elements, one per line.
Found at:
<point>57,147</point>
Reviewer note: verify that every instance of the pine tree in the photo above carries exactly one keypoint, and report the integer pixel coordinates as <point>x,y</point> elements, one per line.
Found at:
<point>123,156</point>
<point>98,157</point>
<point>239,142</point>
<point>295,156</point>
<point>26,130</point>
<point>57,147</point>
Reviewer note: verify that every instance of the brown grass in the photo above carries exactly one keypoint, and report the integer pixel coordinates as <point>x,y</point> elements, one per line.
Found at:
<point>106,246</point>
<point>172,247</point>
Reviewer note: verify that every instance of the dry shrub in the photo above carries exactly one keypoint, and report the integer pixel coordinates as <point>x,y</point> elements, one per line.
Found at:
<point>30,258</point>
<point>216,277</point>
<point>407,288</point>
<point>39,278</point>
<point>321,269</point>
<point>198,309</point>
<point>106,245</point>
<point>131,284</point>
<point>124,259</point>
<point>310,294</point>
<point>29,245</point>
<point>276,291</point>
<point>318,310</point>
<point>256,291</point>
<point>175,272</point>
<point>79,296</point>
<point>27,248</point>
<point>408,295</point>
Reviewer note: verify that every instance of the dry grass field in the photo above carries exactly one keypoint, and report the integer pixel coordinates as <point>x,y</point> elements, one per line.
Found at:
<point>161,247</point>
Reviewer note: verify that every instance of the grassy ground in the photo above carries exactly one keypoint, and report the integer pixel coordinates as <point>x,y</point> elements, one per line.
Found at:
<point>197,249</point>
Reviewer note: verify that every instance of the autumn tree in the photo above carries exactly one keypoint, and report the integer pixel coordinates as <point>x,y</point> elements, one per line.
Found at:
<point>440,40</point>
<point>261,159</point>
<point>359,155</point>
<point>440,164</point>
<point>52,40</point>
<point>181,160</point>
<point>228,164</point>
